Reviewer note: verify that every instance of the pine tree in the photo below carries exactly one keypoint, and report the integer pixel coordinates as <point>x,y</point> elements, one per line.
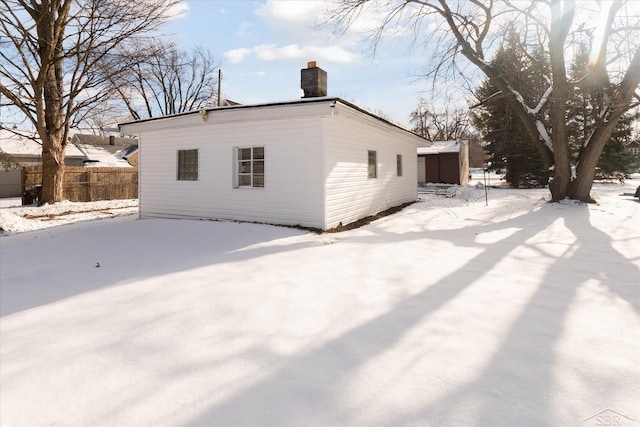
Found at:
<point>510,147</point>
<point>616,162</point>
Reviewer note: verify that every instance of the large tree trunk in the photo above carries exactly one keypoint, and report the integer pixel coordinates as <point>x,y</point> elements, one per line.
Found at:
<point>53,137</point>
<point>561,18</point>
<point>580,188</point>
<point>50,111</point>
<point>618,101</point>
<point>52,170</point>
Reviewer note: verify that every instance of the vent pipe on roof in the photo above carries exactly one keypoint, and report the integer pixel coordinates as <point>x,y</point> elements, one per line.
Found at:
<point>313,81</point>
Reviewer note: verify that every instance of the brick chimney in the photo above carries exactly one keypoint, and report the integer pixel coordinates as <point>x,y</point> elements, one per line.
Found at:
<point>313,81</point>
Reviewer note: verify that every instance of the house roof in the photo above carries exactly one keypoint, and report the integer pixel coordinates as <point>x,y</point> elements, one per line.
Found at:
<point>103,151</point>
<point>439,147</point>
<point>27,144</point>
<point>280,103</point>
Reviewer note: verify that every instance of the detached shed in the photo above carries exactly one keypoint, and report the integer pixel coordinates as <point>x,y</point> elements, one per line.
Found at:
<point>444,162</point>
<point>316,162</point>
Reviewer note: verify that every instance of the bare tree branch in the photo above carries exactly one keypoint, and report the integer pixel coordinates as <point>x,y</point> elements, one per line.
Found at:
<point>50,55</point>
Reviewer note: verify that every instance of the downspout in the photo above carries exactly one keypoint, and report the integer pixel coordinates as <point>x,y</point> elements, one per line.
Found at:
<point>139,176</point>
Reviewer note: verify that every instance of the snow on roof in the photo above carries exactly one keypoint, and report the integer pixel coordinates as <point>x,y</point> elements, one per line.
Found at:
<point>441,147</point>
<point>27,143</point>
<point>100,152</point>
<point>100,157</point>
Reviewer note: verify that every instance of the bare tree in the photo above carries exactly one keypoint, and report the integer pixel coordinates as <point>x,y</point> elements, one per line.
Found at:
<point>472,29</point>
<point>168,81</point>
<point>440,124</point>
<point>49,57</point>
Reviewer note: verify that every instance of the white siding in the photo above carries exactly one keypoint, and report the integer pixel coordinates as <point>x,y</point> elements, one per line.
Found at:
<point>293,172</point>
<point>315,164</point>
<point>349,194</point>
<point>422,171</point>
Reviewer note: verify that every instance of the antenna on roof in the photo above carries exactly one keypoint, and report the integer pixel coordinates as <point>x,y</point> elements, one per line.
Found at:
<point>219,80</point>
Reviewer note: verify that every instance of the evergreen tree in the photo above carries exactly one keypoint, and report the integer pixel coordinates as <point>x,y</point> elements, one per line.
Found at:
<point>510,147</point>
<point>616,162</point>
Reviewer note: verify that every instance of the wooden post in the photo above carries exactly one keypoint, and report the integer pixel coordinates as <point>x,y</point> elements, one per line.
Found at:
<point>23,186</point>
<point>219,80</point>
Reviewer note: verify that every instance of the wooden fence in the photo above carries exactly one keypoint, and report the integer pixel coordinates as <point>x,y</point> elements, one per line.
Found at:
<point>82,184</point>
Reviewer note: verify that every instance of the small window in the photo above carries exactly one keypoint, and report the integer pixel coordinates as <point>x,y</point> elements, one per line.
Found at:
<point>250,167</point>
<point>399,164</point>
<point>373,165</point>
<point>187,165</point>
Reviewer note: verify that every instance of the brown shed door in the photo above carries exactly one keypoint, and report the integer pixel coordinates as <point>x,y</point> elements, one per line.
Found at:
<point>449,169</point>
<point>433,168</point>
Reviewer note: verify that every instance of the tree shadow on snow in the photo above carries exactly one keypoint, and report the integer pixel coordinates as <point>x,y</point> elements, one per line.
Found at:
<point>519,374</point>
<point>519,384</point>
<point>309,387</point>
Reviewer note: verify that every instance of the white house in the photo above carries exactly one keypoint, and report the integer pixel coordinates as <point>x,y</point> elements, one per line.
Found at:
<point>316,162</point>
<point>104,151</point>
<point>25,148</point>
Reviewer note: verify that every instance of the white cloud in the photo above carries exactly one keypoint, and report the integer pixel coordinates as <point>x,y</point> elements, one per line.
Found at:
<point>294,21</point>
<point>179,10</point>
<point>307,22</point>
<point>255,73</point>
<point>237,55</point>
<point>295,13</point>
<point>294,52</point>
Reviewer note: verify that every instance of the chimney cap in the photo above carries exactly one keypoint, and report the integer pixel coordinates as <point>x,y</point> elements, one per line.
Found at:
<point>312,64</point>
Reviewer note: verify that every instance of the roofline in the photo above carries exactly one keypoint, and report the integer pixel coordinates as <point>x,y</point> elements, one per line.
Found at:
<point>273,104</point>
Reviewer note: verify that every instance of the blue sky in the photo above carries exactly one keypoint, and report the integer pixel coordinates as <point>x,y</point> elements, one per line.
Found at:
<point>262,45</point>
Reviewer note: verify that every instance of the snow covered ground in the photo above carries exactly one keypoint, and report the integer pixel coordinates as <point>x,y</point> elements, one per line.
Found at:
<point>450,312</point>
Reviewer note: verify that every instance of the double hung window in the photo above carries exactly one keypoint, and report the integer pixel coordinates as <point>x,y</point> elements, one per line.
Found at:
<point>250,167</point>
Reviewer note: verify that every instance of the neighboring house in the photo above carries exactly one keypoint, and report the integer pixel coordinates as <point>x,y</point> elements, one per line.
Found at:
<point>228,103</point>
<point>131,155</point>
<point>103,151</point>
<point>444,162</point>
<point>26,149</point>
<point>316,162</point>
<point>634,148</point>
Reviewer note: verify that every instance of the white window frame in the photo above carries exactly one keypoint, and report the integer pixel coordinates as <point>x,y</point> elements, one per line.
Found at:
<point>253,171</point>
